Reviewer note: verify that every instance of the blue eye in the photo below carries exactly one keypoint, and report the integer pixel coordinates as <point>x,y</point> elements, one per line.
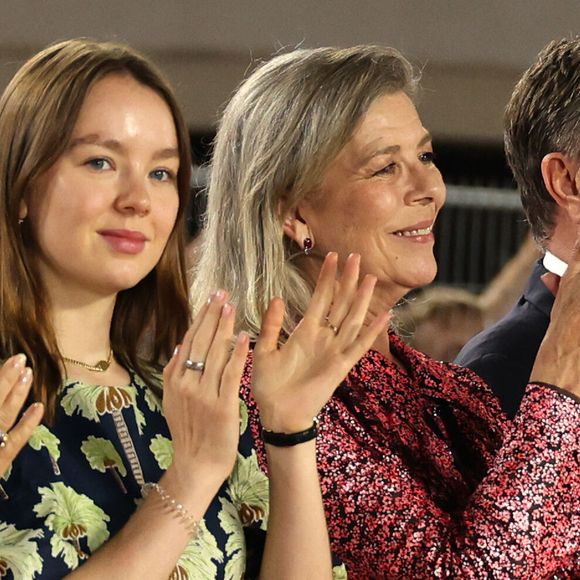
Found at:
<point>99,163</point>
<point>162,175</point>
<point>427,157</point>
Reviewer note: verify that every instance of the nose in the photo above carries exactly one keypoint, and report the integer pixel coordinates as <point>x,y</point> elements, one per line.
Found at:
<point>134,197</point>
<point>426,186</point>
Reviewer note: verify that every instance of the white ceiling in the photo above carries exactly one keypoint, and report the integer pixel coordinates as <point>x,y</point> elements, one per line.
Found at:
<point>472,51</point>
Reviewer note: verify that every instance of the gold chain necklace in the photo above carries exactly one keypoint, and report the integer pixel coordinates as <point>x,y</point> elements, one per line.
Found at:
<point>100,367</point>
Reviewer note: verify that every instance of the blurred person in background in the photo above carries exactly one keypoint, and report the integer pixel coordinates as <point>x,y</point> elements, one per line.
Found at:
<point>440,320</point>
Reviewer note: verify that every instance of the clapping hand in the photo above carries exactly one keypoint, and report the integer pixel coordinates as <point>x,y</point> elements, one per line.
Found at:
<point>201,385</point>
<point>292,383</point>
<point>15,382</point>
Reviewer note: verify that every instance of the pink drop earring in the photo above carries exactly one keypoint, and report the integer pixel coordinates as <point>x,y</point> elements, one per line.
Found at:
<point>308,245</point>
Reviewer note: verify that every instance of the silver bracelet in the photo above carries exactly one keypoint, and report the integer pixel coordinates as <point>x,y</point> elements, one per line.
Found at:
<point>188,520</point>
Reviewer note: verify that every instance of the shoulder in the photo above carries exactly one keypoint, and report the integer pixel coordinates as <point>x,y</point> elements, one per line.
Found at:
<point>517,335</point>
<point>503,355</point>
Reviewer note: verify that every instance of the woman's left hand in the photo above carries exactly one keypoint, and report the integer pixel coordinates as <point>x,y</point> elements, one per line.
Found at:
<point>15,383</point>
<point>292,383</point>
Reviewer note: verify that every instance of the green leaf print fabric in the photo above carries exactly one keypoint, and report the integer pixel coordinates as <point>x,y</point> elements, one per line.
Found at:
<point>76,483</point>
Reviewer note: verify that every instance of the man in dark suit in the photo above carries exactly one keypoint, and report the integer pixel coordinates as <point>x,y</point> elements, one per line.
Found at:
<point>542,142</point>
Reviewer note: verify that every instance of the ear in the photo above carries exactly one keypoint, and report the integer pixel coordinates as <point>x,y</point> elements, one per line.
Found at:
<point>296,228</point>
<point>560,174</point>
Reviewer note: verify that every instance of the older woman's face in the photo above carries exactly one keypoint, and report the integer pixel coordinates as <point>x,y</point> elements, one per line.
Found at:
<point>380,197</point>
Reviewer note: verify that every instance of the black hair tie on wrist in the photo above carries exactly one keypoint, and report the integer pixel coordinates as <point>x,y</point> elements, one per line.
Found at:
<point>290,439</point>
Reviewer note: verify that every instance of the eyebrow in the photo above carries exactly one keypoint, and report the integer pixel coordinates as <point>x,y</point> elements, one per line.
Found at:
<point>114,145</point>
<point>389,149</point>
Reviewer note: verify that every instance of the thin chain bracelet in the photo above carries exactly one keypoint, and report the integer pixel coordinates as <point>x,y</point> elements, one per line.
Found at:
<point>189,521</point>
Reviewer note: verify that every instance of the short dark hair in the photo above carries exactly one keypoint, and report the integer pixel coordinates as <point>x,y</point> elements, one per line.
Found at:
<point>543,116</point>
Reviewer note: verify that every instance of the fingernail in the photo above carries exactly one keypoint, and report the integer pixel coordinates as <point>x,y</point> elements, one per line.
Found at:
<point>220,294</point>
<point>227,309</point>
<point>242,338</point>
<point>176,350</point>
<point>20,361</point>
<point>34,408</point>
<point>26,375</point>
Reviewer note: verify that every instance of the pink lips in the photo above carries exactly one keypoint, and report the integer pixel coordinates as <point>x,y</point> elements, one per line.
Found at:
<point>125,241</point>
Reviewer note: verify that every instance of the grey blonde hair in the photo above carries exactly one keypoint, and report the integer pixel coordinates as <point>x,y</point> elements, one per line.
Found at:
<point>285,124</point>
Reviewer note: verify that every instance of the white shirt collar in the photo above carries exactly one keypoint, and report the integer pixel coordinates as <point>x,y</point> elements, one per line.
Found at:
<point>554,264</point>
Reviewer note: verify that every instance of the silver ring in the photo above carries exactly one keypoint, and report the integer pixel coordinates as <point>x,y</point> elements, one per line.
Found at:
<point>331,326</point>
<point>194,365</point>
<point>3,439</point>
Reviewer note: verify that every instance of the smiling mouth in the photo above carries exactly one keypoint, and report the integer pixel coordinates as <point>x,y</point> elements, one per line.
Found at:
<point>413,233</point>
<point>127,242</point>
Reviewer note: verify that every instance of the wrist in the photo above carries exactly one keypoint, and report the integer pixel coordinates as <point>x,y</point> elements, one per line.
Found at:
<point>281,422</point>
<point>190,523</point>
<point>290,465</point>
<point>290,439</point>
<point>193,488</point>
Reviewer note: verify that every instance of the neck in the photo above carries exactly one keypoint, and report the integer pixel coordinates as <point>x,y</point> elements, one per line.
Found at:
<point>560,250</point>
<point>81,321</point>
<point>563,237</point>
<point>384,299</point>
<point>82,327</point>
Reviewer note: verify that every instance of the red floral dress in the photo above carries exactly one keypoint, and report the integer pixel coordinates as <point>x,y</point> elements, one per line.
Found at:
<point>423,476</point>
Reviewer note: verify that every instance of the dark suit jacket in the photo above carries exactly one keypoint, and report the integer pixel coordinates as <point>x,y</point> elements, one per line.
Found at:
<point>503,354</point>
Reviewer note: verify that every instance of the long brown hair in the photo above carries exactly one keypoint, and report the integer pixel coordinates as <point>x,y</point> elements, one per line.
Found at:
<point>38,112</point>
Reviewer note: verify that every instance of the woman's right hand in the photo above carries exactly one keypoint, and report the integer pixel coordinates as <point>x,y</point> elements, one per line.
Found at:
<point>202,407</point>
<point>293,382</point>
<point>558,360</point>
<point>15,382</point>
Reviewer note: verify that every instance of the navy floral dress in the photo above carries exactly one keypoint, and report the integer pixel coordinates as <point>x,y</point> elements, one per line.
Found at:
<point>76,484</point>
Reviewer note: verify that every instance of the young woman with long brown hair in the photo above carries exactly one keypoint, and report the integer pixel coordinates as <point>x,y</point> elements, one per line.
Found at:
<point>130,474</point>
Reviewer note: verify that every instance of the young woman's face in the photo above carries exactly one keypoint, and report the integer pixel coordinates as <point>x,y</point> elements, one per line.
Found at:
<point>102,214</point>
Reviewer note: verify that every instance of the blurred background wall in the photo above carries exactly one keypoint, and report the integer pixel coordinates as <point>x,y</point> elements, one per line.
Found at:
<point>471,53</point>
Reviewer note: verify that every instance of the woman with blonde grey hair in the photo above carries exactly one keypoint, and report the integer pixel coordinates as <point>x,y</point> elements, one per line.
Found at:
<point>322,150</point>
<point>133,474</point>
